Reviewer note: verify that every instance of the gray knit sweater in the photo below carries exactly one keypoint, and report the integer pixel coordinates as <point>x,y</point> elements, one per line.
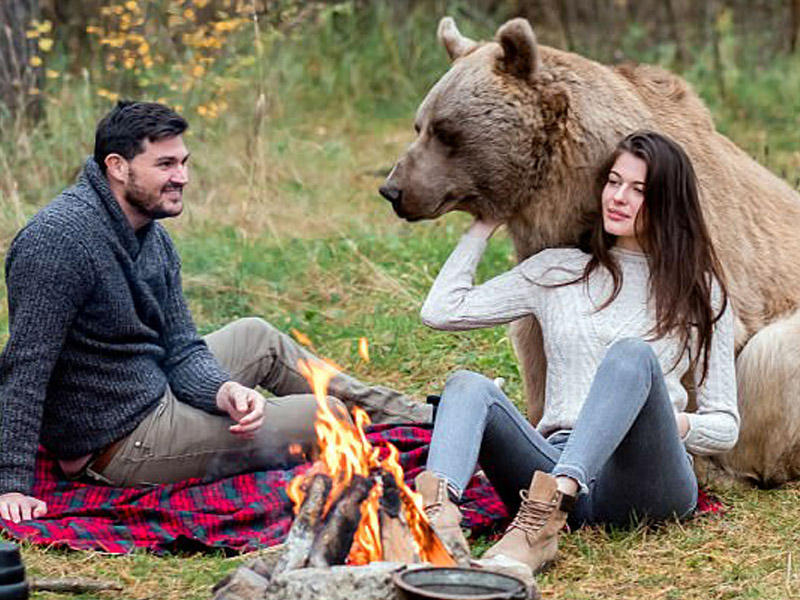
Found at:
<point>98,329</point>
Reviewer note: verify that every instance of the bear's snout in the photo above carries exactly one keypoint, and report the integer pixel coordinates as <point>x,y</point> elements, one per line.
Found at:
<point>392,193</point>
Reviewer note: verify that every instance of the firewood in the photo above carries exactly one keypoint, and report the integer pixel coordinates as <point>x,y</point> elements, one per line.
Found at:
<point>333,542</point>
<point>306,525</point>
<point>396,537</point>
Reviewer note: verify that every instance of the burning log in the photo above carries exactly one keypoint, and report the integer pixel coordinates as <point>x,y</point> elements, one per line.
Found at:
<point>304,529</point>
<point>333,542</point>
<point>396,537</point>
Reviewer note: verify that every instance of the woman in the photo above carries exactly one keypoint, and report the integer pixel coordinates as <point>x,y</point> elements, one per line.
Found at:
<point>622,324</point>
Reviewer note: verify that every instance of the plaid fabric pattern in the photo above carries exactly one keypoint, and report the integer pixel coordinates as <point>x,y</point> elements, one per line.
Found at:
<point>238,514</point>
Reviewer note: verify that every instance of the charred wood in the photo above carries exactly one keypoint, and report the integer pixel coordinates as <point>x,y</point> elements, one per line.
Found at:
<point>396,537</point>
<point>306,525</point>
<point>333,542</point>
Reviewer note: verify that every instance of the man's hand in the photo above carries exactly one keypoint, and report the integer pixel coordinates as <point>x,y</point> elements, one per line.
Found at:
<point>16,507</point>
<point>483,227</point>
<point>244,405</point>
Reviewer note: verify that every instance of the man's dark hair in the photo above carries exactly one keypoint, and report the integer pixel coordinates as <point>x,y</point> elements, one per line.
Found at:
<point>123,129</point>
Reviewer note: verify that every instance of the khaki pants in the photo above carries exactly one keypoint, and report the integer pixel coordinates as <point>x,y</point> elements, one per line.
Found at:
<point>177,441</point>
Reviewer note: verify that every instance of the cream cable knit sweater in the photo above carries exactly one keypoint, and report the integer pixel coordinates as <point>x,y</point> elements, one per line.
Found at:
<point>576,336</point>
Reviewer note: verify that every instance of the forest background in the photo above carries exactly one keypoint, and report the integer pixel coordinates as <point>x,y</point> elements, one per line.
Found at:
<point>297,111</point>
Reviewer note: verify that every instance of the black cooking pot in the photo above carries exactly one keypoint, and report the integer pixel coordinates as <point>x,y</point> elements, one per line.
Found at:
<point>446,583</point>
<point>12,574</point>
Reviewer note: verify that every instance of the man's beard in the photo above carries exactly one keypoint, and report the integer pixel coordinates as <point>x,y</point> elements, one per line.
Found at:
<point>146,203</point>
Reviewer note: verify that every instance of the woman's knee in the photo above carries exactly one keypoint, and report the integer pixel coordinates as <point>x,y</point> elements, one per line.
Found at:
<point>462,380</point>
<point>630,353</point>
<point>467,387</point>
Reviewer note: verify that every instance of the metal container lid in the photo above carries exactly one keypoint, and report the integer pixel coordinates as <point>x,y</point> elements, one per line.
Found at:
<point>446,583</point>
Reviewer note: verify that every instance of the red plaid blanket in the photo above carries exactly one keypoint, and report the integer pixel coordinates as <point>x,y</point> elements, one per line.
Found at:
<point>240,513</point>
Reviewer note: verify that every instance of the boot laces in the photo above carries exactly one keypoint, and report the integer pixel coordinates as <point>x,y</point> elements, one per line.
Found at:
<point>532,514</point>
<point>435,507</point>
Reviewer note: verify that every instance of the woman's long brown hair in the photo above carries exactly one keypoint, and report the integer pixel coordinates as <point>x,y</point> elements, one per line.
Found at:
<point>674,236</point>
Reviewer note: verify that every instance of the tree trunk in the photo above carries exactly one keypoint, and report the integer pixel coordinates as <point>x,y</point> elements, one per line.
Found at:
<point>18,77</point>
<point>676,33</point>
<point>563,10</point>
<point>795,25</point>
<point>712,27</point>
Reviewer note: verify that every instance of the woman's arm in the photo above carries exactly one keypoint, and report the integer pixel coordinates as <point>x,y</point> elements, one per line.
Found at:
<point>453,303</point>
<point>714,428</point>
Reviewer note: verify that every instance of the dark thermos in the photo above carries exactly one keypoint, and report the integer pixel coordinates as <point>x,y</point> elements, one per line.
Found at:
<point>12,573</point>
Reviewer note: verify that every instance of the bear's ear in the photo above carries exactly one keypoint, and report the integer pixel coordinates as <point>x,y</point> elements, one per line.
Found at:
<point>520,52</point>
<point>450,37</point>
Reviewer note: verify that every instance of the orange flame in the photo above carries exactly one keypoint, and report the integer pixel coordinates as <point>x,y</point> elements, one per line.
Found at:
<point>363,349</point>
<point>301,337</point>
<point>345,452</point>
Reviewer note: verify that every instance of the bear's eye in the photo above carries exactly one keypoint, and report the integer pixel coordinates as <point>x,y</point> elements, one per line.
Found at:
<point>445,135</point>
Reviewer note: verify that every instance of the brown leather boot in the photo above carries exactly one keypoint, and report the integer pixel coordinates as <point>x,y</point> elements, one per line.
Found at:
<point>532,537</point>
<point>443,514</point>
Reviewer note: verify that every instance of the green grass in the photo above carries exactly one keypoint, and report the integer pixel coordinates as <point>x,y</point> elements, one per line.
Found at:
<point>286,223</point>
<point>366,275</point>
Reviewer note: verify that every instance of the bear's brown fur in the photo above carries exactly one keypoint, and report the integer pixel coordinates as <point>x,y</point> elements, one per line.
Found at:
<point>516,131</point>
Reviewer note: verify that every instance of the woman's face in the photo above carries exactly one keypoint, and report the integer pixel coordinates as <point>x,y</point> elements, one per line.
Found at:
<point>623,196</point>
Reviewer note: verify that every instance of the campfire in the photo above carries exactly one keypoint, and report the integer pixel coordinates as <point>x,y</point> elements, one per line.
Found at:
<point>352,506</point>
<point>359,531</point>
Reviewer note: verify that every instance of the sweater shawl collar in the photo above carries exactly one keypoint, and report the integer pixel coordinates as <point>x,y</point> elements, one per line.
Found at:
<point>117,219</point>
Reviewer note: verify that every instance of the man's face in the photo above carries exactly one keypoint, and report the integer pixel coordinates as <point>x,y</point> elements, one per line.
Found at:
<point>156,177</point>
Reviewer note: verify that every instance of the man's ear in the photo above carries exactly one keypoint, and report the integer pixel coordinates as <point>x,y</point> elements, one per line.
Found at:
<point>116,168</point>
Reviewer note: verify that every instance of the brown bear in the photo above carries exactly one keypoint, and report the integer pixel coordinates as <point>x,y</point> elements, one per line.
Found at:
<point>516,131</point>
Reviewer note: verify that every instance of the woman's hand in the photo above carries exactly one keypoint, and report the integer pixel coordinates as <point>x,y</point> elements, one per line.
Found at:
<point>683,424</point>
<point>483,228</point>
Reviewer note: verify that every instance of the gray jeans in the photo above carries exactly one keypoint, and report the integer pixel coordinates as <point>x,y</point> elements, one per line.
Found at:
<point>177,441</point>
<point>624,451</point>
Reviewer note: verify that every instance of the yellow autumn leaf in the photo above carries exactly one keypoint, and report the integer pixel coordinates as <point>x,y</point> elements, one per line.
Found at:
<point>35,61</point>
<point>50,74</point>
<point>45,44</point>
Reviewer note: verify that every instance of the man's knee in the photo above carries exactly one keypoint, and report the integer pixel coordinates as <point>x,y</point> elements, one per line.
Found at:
<point>339,409</point>
<point>254,326</point>
<point>311,407</point>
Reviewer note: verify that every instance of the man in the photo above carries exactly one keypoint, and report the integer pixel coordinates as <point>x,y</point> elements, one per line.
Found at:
<point>104,366</point>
